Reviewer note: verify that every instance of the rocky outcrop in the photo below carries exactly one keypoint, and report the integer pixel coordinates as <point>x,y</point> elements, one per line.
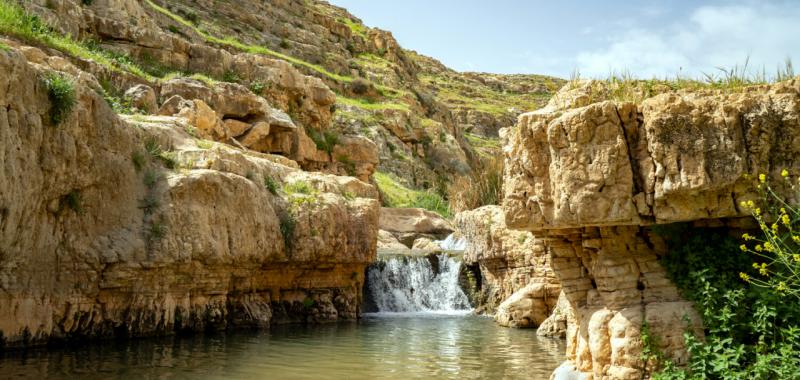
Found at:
<point>592,181</point>
<point>409,225</point>
<point>517,281</point>
<point>133,227</point>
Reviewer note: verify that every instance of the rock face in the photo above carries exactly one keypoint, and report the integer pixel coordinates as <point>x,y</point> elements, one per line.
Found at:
<point>517,280</point>
<point>592,181</point>
<point>133,227</point>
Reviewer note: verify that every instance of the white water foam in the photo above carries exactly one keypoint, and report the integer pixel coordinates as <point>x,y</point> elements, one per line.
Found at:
<point>453,243</point>
<point>413,284</point>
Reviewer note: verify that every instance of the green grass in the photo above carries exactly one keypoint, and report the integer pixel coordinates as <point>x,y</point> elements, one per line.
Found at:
<point>366,105</point>
<point>61,92</point>
<point>397,195</point>
<point>460,92</point>
<point>15,22</point>
<point>4,47</point>
<point>482,142</point>
<point>625,87</point>
<point>253,49</point>
<point>299,187</point>
<point>356,28</point>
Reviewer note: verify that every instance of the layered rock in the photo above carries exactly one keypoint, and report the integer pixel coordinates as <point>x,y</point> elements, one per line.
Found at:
<point>516,279</point>
<point>133,227</point>
<point>592,181</point>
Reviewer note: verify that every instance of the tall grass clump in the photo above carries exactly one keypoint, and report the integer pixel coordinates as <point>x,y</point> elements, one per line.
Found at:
<point>484,187</point>
<point>61,92</point>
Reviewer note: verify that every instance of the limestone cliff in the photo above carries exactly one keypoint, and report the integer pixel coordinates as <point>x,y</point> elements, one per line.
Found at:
<point>137,226</point>
<point>592,179</point>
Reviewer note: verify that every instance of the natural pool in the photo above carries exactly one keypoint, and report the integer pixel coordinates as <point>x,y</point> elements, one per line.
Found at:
<point>380,346</point>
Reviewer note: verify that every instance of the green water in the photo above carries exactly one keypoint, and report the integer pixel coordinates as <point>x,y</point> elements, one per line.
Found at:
<point>410,346</point>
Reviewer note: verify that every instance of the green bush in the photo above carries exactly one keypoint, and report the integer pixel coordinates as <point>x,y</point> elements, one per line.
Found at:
<point>231,77</point>
<point>257,87</point>
<point>288,224</point>
<point>271,184</point>
<point>61,92</point>
<point>752,323</point>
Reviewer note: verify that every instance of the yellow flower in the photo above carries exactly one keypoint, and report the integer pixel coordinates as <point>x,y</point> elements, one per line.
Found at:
<point>743,248</point>
<point>747,237</point>
<point>763,272</point>
<point>768,247</point>
<point>796,239</point>
<point>756,266</point>
<point>744,277</point>
<point>781,286</point>
<point>759,248</point>
<point>775,227</point>
<point>786,221</point>
<point>796,257</point>
<point>757,211</point>
<point>762,178</point>
<point>784,173</point>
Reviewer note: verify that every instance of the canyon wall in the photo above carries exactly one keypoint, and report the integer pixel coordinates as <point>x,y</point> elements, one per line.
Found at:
<point>132,226</point>
<point>591,179</point>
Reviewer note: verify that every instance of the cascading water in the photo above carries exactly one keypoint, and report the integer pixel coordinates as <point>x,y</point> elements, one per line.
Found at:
<point>415,284</point>
<point>453,243</point>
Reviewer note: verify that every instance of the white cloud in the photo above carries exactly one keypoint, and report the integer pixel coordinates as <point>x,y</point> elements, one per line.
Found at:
<point>713,36</point>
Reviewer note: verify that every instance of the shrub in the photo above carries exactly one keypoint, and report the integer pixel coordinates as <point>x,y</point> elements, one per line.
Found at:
<point>348,163</point>
<point>299,187</point>
<point>288,224</point>
<point>271,184</point>
<point>484,187</point>
<point>138,160</point>
<point>360,86</point>
<point>174,29</point>
<point>777,249</point>
<point>157,230</point>
<point>61,92</point>
<point>284,44</point>
<point>73,201</point>
<point>257,87</point>
<point>231,77</point>
<point>751,322</point>
<point>325,141</point>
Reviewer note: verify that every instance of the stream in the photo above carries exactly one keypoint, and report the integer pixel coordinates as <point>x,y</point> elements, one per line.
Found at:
<point>420,326</point>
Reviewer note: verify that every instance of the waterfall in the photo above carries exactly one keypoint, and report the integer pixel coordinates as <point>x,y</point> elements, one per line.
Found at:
<point>453,243</point>
<point>415,284</point>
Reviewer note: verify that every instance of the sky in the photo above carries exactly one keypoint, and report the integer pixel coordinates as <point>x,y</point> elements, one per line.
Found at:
<point>645,38</point>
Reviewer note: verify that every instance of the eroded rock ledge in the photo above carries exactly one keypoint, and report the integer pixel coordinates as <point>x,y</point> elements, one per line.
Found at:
<point>590,182</point>
<point>512,263</point>
<point>112,227</point>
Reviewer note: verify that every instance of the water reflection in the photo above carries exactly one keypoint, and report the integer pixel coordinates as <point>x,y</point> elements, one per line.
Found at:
<point>378,347</point>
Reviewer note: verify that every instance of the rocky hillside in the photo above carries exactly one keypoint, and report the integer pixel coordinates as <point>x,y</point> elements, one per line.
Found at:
<point>388,109</point>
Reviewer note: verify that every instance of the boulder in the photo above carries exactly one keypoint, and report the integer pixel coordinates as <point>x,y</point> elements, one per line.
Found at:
<point>414,221</point>
<point>387,241</point>
<point>204,119</point>
<point>143,97</point>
